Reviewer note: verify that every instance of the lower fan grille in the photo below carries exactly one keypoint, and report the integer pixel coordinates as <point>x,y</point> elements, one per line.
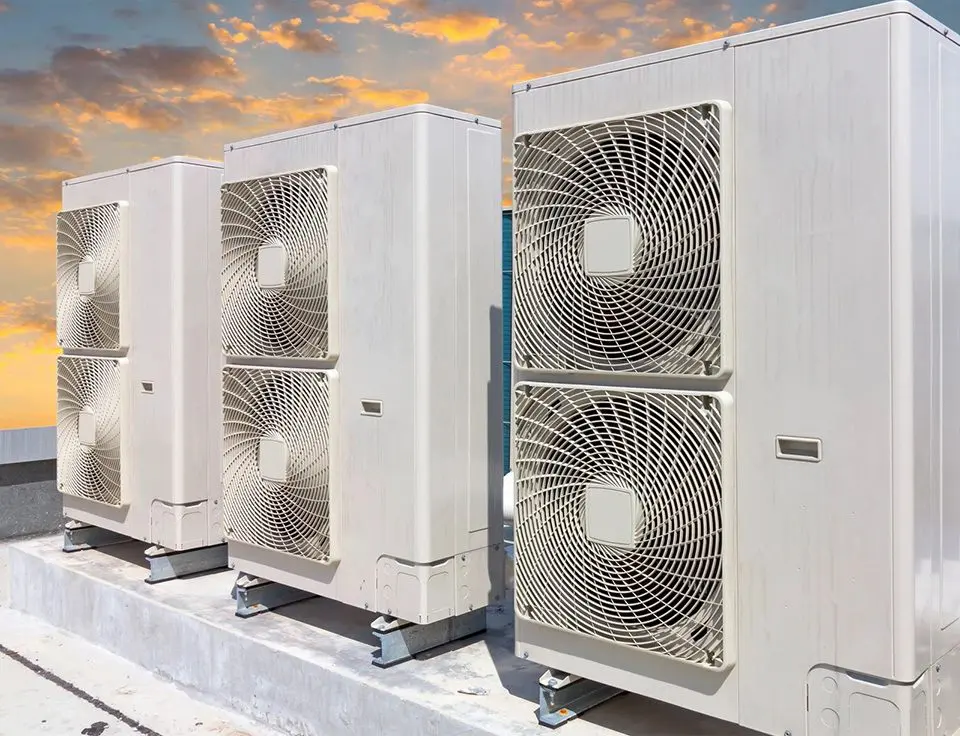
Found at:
<point>618,517</point>
<point>276,464</point>
<point>89,421</point>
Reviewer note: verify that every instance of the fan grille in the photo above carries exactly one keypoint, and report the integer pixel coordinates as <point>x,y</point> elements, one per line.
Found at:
<point>662,171</point>
<point>295,407</point>
<point>90,386</point>
<point>91,238</point>
<point>664,594</point>
<point>289,212</point>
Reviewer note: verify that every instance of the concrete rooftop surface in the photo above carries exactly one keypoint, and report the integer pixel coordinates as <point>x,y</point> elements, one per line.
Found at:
<point>171,656</point>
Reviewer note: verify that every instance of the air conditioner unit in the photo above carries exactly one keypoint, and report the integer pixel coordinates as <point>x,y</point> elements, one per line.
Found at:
<point>138,384</point>
<point>736,303</point>
<point>362,401</point>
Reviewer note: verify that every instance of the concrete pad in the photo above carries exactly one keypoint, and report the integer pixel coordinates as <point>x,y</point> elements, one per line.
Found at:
<point>305,669</point>
<point>55,683</point>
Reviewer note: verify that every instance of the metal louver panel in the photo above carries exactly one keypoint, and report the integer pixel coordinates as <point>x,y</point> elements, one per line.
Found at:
<point>656,180</point>
<point>89,427</point>
<point>277,463</point>
<point>619,517</point>
<point>278,266</point>
<point>90,246</point>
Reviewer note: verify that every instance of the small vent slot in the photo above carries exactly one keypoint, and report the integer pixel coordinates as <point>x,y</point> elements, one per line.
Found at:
<point>371,408</point>
<point>146,387</point>
<point>804,449</point>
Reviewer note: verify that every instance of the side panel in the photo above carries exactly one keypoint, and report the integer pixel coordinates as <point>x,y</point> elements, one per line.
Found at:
<point>268,159</point>
<point>813,360</point>
<point>379,355</point>
<point>155,217</point>
<point>947,232</point>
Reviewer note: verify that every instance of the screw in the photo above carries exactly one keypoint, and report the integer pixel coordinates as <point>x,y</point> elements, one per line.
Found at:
<point>476,120</point>
<point>938,668</point>
<point>726,45</point>
<point>366,605</point>
<point>787,733</point>
<point>526,655</point>
<point>231,148</point>
<point>471,606</point>
<point>389,611</point>
<point>335,126</point>
<point>529,86</point>
<point>463,558</point>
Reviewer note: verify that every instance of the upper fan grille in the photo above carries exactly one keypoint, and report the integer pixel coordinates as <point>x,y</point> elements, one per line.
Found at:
<point>90,387</point>
<point>293,407</point>
<point>90,242</point>
<point>662,593</point>
<point>661,173</point>
<point>288,315</point>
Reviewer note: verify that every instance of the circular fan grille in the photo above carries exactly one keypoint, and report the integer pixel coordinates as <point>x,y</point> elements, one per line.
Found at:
<point>90,386</point>
<point>291,320</point>
<point>662,595</point>
<point>94,237</point>
<point>663,172</point>
<point>291,516</point>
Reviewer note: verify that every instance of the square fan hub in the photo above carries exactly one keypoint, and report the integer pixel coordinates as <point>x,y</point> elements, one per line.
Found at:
<point>608,243</point>
<point>273,459</point>
<point>87,278</point>
<point>271,266</point>
<point>611,516</point>
<point>87,428</point>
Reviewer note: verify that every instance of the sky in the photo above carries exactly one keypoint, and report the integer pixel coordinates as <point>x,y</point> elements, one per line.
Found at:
<point>94,85</point>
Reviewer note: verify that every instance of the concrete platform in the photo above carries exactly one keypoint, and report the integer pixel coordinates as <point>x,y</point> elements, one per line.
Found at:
<point>304,669</point>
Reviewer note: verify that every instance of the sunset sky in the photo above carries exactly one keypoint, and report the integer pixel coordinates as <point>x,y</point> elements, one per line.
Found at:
<point>95,84</point>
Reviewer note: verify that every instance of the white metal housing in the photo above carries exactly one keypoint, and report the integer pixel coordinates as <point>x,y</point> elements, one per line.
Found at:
<point>363,460</point>
<point>841,490</point>
<point>139,383</point>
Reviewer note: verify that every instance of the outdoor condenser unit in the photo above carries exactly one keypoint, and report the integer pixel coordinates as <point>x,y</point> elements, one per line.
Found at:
<point>361,290</point>
<point>138,398</point>
<point>736,309</point>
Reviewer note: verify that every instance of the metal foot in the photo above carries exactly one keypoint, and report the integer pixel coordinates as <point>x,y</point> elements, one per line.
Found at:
<point>255,595</point>
<point>401,640</point>
<point>167,564</point>
<point>563,697</point>
<point>78,536</point>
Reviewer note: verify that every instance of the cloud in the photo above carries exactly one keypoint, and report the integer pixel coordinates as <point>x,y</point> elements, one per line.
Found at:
<point>29,145</point>
<point>696,31</point>
<point>287,34</point>
<point>459,27</point>
<point>27,317</point>
<point>4,7</point>
<point>82,85</point>
<point>368,93</point>
<point>28,203</point>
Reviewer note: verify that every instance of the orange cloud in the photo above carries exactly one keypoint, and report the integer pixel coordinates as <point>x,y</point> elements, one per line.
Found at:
<point>770,9</point>
<point>360,12</point>
<point>461,27</point>
<point>286,34</point>
<point>698,31</point>
<point>367,93</point>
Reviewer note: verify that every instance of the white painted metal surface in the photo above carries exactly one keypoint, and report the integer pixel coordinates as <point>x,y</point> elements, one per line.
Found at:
<point>27,445</point>
<point>846,319</point>
<point>418,286</point>
<point>171,388</point>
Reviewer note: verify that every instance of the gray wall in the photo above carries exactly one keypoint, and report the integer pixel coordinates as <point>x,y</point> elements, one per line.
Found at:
<point>29,501</point>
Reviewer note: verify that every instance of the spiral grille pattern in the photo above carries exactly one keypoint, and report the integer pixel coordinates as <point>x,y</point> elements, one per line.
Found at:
<point>290,211</point>
<point>92,472</point>
<point>295,406</point>
<point>95,235</point>
<point>662,171</point>
<point>665,594</point>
